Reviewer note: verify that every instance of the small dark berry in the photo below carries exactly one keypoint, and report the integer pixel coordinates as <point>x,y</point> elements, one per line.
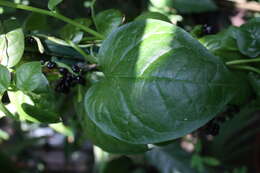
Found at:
<point>75,68</point>
<point>207,30</point>
<point>51,65</point>
<point>62,87</point>
<point>30,40</point>
<point>63,71</point>
<point>80,80</point>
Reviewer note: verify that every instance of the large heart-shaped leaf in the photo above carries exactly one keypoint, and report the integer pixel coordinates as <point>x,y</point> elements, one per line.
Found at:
<point>29,77</point>
<point>160,84</point>
<point>153,15</point>
<point>11,43</point>
<point>5,79</point>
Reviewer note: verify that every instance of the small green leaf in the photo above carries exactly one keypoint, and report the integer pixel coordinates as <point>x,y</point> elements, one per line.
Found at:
<point>5,79</point>
<point>11,44</point>
<point>153,15</point>
<point>36,21</point>
<point>53,3</point>
<point>108,20</point>
<point>37,108</point>
<point>29,77</point>
<point>70,32</point>
<point>248,38</point>
<point>42,115</point>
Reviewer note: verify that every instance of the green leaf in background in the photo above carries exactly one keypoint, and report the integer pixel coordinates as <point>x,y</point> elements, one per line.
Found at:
<point>153,15</point>
<point>187,6</point>
<point>160,84</point>
<point>29,77</point>
<point>170,159</point>
<point>5,79</point>
<point>108,20</point>
<point>227,148</point>
<point>11,43</point>
<point>53,3</point>
<point>211,161</point>
<point>38,108</point>
<point>70,32</point>
<point>255,83</point>
<point>102,140</point>
<point>36,21</point>
<point>225,47</point>
<point>248,38</point>
<point>42,115</point>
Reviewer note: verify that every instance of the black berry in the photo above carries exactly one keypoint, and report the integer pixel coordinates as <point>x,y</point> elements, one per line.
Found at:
<point>51,65</point>
<point>75,68</point>
<point>207,30</point>
<point>30,40</point>
<point>63,71</point>
<point>80,80</point>
<point>63,86</point>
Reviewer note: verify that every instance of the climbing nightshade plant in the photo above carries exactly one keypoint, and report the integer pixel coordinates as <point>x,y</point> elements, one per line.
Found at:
<point>133,84</point>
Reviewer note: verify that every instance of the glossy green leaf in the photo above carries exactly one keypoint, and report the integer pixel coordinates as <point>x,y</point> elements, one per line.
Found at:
<point>29,76</point>
<point>187,6</point>
<point>248,38</point>
<point>11,43</point>
<point>108,20</point>
<point>170,159</point>
<point>70,32</point>
<point>53,3</point>
<point>5,79</point>
<point>160,84</point>
<point>102,140</point>
<point>153,15</point>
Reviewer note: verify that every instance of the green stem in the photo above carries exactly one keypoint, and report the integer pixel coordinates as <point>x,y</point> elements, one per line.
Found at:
<point>93,15</point>
<point>82,52</point>
<point>242,61</point>
<point>245,67</point>
<point>52,14</point>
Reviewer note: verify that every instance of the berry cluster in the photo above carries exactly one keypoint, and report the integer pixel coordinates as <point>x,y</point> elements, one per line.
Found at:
<point>68,80</point>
